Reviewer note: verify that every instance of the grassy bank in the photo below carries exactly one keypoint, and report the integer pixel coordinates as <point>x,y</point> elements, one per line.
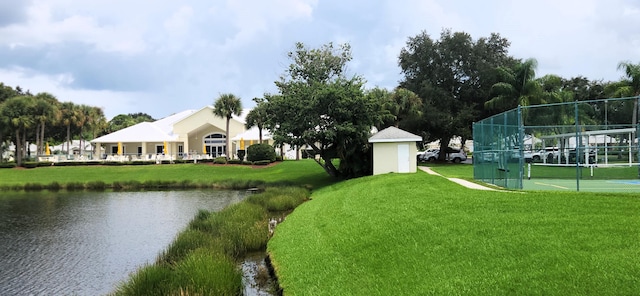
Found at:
<point>420,234</point>
<point>203,259</point>
<point>303,172</point>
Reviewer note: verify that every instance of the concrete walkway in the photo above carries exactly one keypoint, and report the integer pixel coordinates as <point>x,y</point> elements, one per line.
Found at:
<point>462,182</point>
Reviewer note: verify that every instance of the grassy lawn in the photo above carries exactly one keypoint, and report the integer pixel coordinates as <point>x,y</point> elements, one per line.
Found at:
<point>303,172</point>
<point>408,234</point>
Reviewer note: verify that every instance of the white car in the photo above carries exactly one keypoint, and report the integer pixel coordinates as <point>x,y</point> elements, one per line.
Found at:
<point>454,155</point>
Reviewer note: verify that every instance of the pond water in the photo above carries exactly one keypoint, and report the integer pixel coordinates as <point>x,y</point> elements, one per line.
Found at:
<point>86,243</point>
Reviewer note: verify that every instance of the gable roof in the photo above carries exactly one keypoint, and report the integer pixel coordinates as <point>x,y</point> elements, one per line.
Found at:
<point>158,131</point>
<point>394,134</point>
<point>253,134</point>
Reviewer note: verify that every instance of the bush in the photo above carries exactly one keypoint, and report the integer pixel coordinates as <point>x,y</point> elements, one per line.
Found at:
<point>30,165</point>
<point>261,162</point>
<point>278,157</point>
<point>261,152</point>
<point>220,160</point>
<point>8,165</point>
<point>234,161</point>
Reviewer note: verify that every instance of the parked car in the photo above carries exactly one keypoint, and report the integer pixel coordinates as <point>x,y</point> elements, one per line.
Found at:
<point>452,154</point>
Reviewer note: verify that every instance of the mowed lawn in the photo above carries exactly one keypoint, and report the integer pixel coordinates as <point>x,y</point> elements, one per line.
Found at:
<point>417,234</point>
<point>303,172</point>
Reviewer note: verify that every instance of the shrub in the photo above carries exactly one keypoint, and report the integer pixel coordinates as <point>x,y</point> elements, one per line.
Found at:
<point>278,157</point>
<point>53,186</point>
<point>32,186</point>
<point>96,185</point>
<point>220,160</point>
<point>234,161</point>
<point>261,152</point>
<point>45,163</point>
<point>8,165</point>
<point>30,165</point>
<point>261,162</point>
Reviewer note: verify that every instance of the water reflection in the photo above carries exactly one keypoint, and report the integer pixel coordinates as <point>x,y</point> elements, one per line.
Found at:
<point>86,243</point>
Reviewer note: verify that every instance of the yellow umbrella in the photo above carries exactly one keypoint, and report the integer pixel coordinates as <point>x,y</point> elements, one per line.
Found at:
<point>241,143</point>
<point>164,149</point>
<point>47,150</point>
<point>119,148</point>
<point>251,142</point>
<point>204,149</point>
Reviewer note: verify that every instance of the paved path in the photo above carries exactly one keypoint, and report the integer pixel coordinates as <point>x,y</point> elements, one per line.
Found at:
<point>462,182</point>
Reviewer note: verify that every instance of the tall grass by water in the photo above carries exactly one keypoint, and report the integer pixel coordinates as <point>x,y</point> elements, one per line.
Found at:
<point>409,234</point>
<point>203,259</point>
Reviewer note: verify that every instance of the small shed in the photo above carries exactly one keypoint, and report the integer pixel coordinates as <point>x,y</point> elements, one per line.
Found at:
<point>394,151</point>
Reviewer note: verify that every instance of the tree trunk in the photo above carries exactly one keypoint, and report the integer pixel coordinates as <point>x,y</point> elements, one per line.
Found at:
<point>634,118</point>
<point>329,167</point>
<point>68,139</point>
<point>227,138</point>
<point>42,138</point>
<point>17,154</point>
<point>260,133</point>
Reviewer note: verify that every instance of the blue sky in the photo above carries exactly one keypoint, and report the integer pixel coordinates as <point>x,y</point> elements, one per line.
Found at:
<point>162,57</point>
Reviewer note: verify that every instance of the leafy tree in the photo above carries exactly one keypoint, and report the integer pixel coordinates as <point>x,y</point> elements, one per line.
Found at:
<point>6,92</point>
<point>257,117</point>
<point>19,114</point>
<point>318,106</point>
<point>226,106</point>
<point>126,120</point>
<point>453,77</point>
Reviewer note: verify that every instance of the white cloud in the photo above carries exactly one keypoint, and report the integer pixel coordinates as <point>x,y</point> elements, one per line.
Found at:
<point>162,57</point>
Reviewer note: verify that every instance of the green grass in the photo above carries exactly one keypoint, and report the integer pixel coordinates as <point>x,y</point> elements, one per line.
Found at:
<point>303,172</point>
<point>408,234</point>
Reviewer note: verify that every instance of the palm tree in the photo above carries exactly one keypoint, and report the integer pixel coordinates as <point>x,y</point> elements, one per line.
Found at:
<point>629,87</point>
<point>518,87</point>
<point>404,104</point>
<point>226,106</point>
<point>46,108</point>
<point>257,117</point>
<point>70,115</point>
<point>85,114</point>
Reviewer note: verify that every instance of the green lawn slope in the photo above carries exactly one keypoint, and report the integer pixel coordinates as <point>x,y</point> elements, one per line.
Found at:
<point>417,234</point>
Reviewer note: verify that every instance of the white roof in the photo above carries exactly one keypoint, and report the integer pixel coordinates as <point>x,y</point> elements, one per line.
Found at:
<point>394,134</point>
<point>253,134</point>
<point>157,131</point>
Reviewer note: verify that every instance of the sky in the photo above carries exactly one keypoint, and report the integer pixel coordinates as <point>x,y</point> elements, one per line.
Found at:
<point>163,57</point>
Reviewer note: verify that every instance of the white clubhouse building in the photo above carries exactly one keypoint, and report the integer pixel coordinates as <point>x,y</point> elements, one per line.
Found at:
<point>185,134</point>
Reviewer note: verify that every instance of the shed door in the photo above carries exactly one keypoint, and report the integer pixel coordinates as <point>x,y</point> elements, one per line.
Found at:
<point>403,158</point>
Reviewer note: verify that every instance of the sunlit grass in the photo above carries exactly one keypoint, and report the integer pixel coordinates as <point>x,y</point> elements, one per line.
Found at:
<point>408,234</point>
<point>170,176</point>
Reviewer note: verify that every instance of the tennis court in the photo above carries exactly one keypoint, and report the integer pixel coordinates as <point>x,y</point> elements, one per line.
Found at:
<point>630,186</point>
<point>589,145</point>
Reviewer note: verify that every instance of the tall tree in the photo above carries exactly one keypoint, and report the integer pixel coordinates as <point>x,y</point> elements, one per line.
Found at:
<point>318,106</point>
<point>453,77</point>
<point>69,117</point>
<point>47,112</point>
<point>517,87</point>
<point>403,105</point>
<point>226,106</point>
<point>19,114</point>
<point>257,117</point>
<point>628,87</point>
